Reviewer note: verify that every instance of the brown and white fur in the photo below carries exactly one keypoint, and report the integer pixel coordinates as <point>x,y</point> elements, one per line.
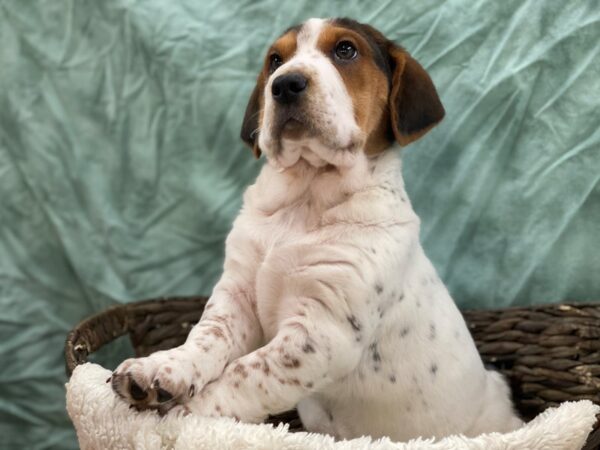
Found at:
<point>327,301</point>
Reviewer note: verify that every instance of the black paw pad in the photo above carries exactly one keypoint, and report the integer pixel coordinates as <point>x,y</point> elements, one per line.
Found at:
<point>163,396</point>
<point>136,392</point>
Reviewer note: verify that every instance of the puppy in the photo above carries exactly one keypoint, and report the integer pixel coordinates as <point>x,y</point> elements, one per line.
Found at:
<point>327,301</point>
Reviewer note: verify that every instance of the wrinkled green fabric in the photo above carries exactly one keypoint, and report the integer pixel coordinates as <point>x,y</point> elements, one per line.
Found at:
<point>121,169</point>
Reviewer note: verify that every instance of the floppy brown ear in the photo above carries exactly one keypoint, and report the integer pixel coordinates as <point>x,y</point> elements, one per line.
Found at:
<point>415,107</point>
<point>250,124</point>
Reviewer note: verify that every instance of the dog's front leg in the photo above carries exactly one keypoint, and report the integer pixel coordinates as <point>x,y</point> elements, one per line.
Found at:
<point>301,359</point>
<point>322,327</point>
<point>228,329</point>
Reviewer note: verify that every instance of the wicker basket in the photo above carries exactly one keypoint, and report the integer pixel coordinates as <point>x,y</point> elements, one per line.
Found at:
<point>549,353</point>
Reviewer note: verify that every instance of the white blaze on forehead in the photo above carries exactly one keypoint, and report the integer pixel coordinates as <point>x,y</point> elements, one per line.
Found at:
<point>309,35</point>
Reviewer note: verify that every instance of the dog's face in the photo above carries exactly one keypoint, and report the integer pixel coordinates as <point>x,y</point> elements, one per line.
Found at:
<point>332,88</point>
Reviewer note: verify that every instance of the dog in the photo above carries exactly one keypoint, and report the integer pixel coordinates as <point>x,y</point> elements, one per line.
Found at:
<point>327,301</point>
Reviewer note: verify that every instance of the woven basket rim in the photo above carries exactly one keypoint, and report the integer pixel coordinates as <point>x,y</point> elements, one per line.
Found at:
<point>99,329</point>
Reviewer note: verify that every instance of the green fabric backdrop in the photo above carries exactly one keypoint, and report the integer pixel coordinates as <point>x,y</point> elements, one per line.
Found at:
<point>121,170</point>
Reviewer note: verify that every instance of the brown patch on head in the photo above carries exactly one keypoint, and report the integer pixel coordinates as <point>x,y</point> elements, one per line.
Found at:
<point>366,83</point>
<point>284,47</point>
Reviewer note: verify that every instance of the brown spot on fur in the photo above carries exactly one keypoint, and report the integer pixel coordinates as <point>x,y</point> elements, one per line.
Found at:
<point>241,370</point>
<point>266,368</point>
<point>168,369</point>
<point>217,332</point>
<point>255,365</point>
<point>292,363</point>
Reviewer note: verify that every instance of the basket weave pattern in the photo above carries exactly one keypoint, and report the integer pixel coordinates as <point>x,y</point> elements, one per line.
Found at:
<point>549,353</point>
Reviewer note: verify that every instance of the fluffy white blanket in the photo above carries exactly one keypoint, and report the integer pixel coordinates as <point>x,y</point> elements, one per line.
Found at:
<point>104,422</point>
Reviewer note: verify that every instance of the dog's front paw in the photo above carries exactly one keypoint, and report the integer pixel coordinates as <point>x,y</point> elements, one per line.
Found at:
<point>160,381</point>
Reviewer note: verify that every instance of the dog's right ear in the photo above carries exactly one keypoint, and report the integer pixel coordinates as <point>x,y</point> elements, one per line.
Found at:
<point>251,123</point>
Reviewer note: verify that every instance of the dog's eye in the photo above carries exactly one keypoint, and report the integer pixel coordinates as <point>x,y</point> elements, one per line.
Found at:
<point>274,62</point>
<point>345,50</point>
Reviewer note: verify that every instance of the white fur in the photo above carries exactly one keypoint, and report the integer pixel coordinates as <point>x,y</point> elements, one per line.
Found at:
<point>103,422</point>
<point>328,302</point>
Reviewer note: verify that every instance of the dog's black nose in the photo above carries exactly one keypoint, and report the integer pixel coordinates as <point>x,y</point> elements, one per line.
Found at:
<point>289,87</point>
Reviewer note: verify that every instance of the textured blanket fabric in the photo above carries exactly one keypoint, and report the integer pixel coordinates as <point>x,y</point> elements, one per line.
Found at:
<point>121,169</point>
<point>104,422</point>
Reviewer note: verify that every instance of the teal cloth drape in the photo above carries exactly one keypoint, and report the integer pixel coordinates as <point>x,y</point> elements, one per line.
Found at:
<point>121,169</point>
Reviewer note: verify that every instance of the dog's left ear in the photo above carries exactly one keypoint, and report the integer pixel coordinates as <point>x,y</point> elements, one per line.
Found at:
<point>415,107</point>
<point>250,124</point>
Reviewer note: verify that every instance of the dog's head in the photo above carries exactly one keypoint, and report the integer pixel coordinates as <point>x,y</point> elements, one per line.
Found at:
<point>329,89</point>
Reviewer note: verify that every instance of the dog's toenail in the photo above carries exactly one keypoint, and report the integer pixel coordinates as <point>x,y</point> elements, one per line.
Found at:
<point>163,396</point>
<point>192,390</point>
<point>136,391</point>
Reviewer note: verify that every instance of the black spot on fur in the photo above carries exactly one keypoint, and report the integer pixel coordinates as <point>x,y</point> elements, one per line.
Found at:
<point>378,288</point>
<point>401,297</point>
<point>404,331</point>
<point>308,348</point>
<point>392,378</point>
<point>375,353</point>
<point>433,369</point>
<point>354,323</point>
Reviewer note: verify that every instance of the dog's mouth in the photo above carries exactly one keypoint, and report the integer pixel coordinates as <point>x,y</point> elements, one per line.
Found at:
<point>293,129</point>
<point>292,124</point>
